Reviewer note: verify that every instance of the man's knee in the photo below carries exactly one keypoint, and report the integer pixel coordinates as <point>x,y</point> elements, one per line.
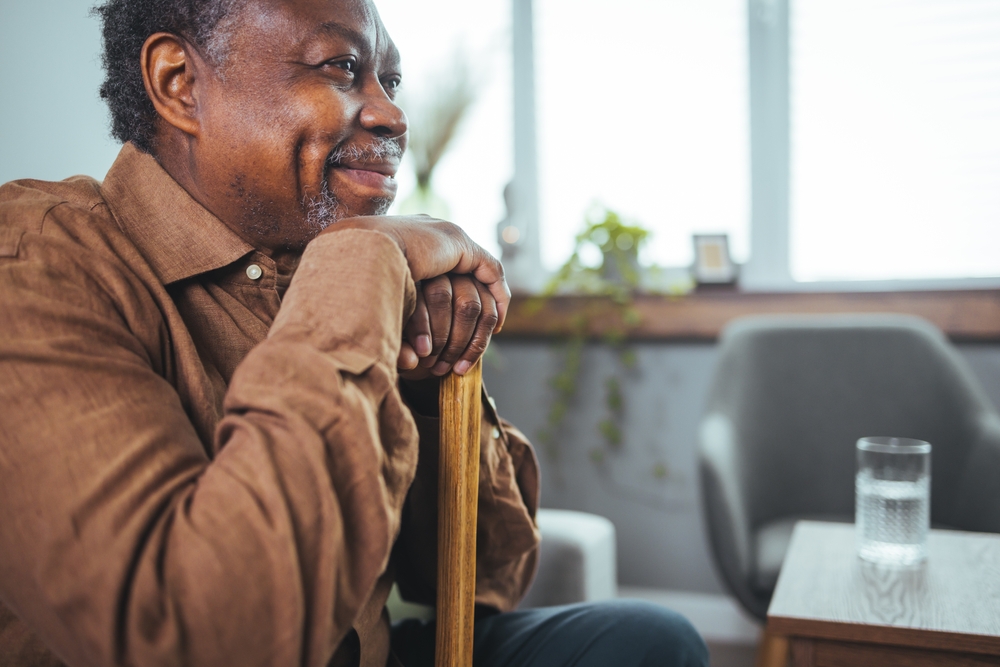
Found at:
<point>624,633</point>
<point>655,635</point>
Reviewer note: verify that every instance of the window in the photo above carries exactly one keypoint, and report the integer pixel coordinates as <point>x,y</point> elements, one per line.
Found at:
<point>642,107</point>
<point>431,35</point>
<point>887,167</point>
<point>895,139</point>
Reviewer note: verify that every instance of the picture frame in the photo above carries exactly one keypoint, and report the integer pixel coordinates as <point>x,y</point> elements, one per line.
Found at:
<point>712,263</point>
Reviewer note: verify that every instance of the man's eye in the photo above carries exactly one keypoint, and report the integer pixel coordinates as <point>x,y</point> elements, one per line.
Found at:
<point>391,84</point>
<point>349,65</point>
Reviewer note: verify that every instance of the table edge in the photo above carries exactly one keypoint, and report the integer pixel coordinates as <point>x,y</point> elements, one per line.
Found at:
<point>792,626</point>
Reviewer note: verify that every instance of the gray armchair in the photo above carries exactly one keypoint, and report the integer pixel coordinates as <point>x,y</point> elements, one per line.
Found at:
<point>577,563</point>
<point>791,396</point>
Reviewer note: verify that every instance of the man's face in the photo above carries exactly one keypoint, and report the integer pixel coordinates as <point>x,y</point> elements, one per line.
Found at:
<point>299,125</point>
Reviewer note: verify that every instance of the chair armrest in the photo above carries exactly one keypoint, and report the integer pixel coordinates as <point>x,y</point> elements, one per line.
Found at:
<point>723,497</point>
<point>977,501</point>
<point>577,561</point>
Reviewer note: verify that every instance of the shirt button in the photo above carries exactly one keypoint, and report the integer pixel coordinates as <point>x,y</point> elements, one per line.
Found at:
<point>496,433</point>
<point>254,272</point>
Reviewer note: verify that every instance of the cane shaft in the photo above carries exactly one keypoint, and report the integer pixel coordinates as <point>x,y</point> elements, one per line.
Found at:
<point>458,496</point>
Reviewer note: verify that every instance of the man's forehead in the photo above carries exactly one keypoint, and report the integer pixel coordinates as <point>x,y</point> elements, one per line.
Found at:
<point>357,20</point>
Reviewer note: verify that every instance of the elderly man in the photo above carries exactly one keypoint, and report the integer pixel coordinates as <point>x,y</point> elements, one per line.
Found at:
<point>207,461</point>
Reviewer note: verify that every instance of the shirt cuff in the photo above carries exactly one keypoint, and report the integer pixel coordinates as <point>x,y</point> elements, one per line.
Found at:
<point>350,296</point>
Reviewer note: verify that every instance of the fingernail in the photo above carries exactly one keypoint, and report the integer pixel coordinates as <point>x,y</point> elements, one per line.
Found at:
<point>441,368</point>
<point>423,346</point>
<point>462,367</point>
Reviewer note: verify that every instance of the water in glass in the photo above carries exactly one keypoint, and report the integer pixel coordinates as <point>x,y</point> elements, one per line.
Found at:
<point>892,519</point>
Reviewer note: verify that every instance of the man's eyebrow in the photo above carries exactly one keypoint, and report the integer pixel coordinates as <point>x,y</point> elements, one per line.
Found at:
<point>392,57</point>
<point>333,28</point>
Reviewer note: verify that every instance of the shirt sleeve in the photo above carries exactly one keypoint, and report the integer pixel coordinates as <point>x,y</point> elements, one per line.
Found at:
<point>122,543</point>
<point>507,537</point>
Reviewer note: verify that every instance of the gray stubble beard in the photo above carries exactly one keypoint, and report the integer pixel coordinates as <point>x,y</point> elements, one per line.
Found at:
<point>325,209</point>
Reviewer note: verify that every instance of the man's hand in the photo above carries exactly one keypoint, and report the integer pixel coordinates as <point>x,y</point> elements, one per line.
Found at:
<point>462,296</point>
<point>450,328</point>
<point>433,248</point>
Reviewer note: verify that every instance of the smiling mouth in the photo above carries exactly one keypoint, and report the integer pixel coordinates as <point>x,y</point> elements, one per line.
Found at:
<point>382,155</point>
<point>372,167</point>
<point>381,177</point>
<point>387,169</point>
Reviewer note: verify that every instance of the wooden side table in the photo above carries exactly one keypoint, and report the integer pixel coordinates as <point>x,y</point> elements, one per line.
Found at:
<point>839,611</point>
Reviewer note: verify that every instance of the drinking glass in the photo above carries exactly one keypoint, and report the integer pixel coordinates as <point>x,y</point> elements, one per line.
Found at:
<point>893,500</point>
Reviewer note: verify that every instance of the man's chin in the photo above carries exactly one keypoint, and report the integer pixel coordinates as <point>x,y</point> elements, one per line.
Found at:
<point>328,208</point>
<point>354,207</point>
<point>380,205</point>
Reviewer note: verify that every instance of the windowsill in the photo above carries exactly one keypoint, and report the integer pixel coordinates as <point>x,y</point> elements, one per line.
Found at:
<point>904,285</point>
<point>968,315</point>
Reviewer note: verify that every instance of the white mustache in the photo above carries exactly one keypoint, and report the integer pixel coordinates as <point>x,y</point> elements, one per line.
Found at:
<point>377,151</point>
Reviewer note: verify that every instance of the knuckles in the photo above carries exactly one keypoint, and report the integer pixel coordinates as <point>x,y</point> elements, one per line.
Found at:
<point>478,346</point>
<point>468,311</point>
<point>489,321</point>
<point>438,297</point>
<point>447,228</point>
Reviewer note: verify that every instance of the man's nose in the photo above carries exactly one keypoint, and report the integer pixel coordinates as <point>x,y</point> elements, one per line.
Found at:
<point>381,116</point>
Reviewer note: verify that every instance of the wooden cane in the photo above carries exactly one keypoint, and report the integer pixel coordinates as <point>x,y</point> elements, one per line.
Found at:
<point>458,497</point>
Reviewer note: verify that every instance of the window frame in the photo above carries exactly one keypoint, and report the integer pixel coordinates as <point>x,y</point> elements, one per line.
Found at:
<point>768,268</point>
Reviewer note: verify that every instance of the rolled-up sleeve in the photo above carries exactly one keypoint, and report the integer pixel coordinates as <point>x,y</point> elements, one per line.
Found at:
<point>123,541</point>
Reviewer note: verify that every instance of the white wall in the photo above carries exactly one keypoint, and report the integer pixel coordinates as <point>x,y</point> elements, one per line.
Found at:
<point>52,122</point>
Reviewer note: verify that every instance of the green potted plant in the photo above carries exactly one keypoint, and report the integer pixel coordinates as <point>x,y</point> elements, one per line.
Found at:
<point>618,276</point>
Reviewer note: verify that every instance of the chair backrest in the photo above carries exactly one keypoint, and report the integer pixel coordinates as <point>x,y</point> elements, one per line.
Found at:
<point>801,390</point>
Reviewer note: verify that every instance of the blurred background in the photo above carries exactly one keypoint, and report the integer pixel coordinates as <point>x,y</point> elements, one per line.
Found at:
<point>839,146</point>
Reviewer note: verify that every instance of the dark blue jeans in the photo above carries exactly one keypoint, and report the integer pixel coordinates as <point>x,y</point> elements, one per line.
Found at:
<point>618,633</point>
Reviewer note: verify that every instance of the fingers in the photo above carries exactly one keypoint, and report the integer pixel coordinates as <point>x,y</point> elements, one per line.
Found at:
<point>435,248</point>
<point>488,270</point>
<point>467,308</point>
<point>407,359</point>
<point>484,330</point>
<point>418,329</point>
<point>459,315</point>
<point>439,296</point>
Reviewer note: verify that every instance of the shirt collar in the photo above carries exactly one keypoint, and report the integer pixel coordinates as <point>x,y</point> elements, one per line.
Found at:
<point>178,236</point>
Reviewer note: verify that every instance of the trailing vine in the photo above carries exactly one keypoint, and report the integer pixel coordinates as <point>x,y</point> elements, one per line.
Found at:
<point>618,277</point>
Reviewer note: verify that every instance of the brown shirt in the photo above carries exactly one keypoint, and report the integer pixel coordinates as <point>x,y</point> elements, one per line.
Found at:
<point>195,470</point>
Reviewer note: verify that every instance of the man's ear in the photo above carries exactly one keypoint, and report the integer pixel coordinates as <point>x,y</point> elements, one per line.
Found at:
<point>168,70</point>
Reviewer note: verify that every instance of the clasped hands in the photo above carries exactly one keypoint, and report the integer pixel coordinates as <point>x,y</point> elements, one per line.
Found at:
<point>462,297</point>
